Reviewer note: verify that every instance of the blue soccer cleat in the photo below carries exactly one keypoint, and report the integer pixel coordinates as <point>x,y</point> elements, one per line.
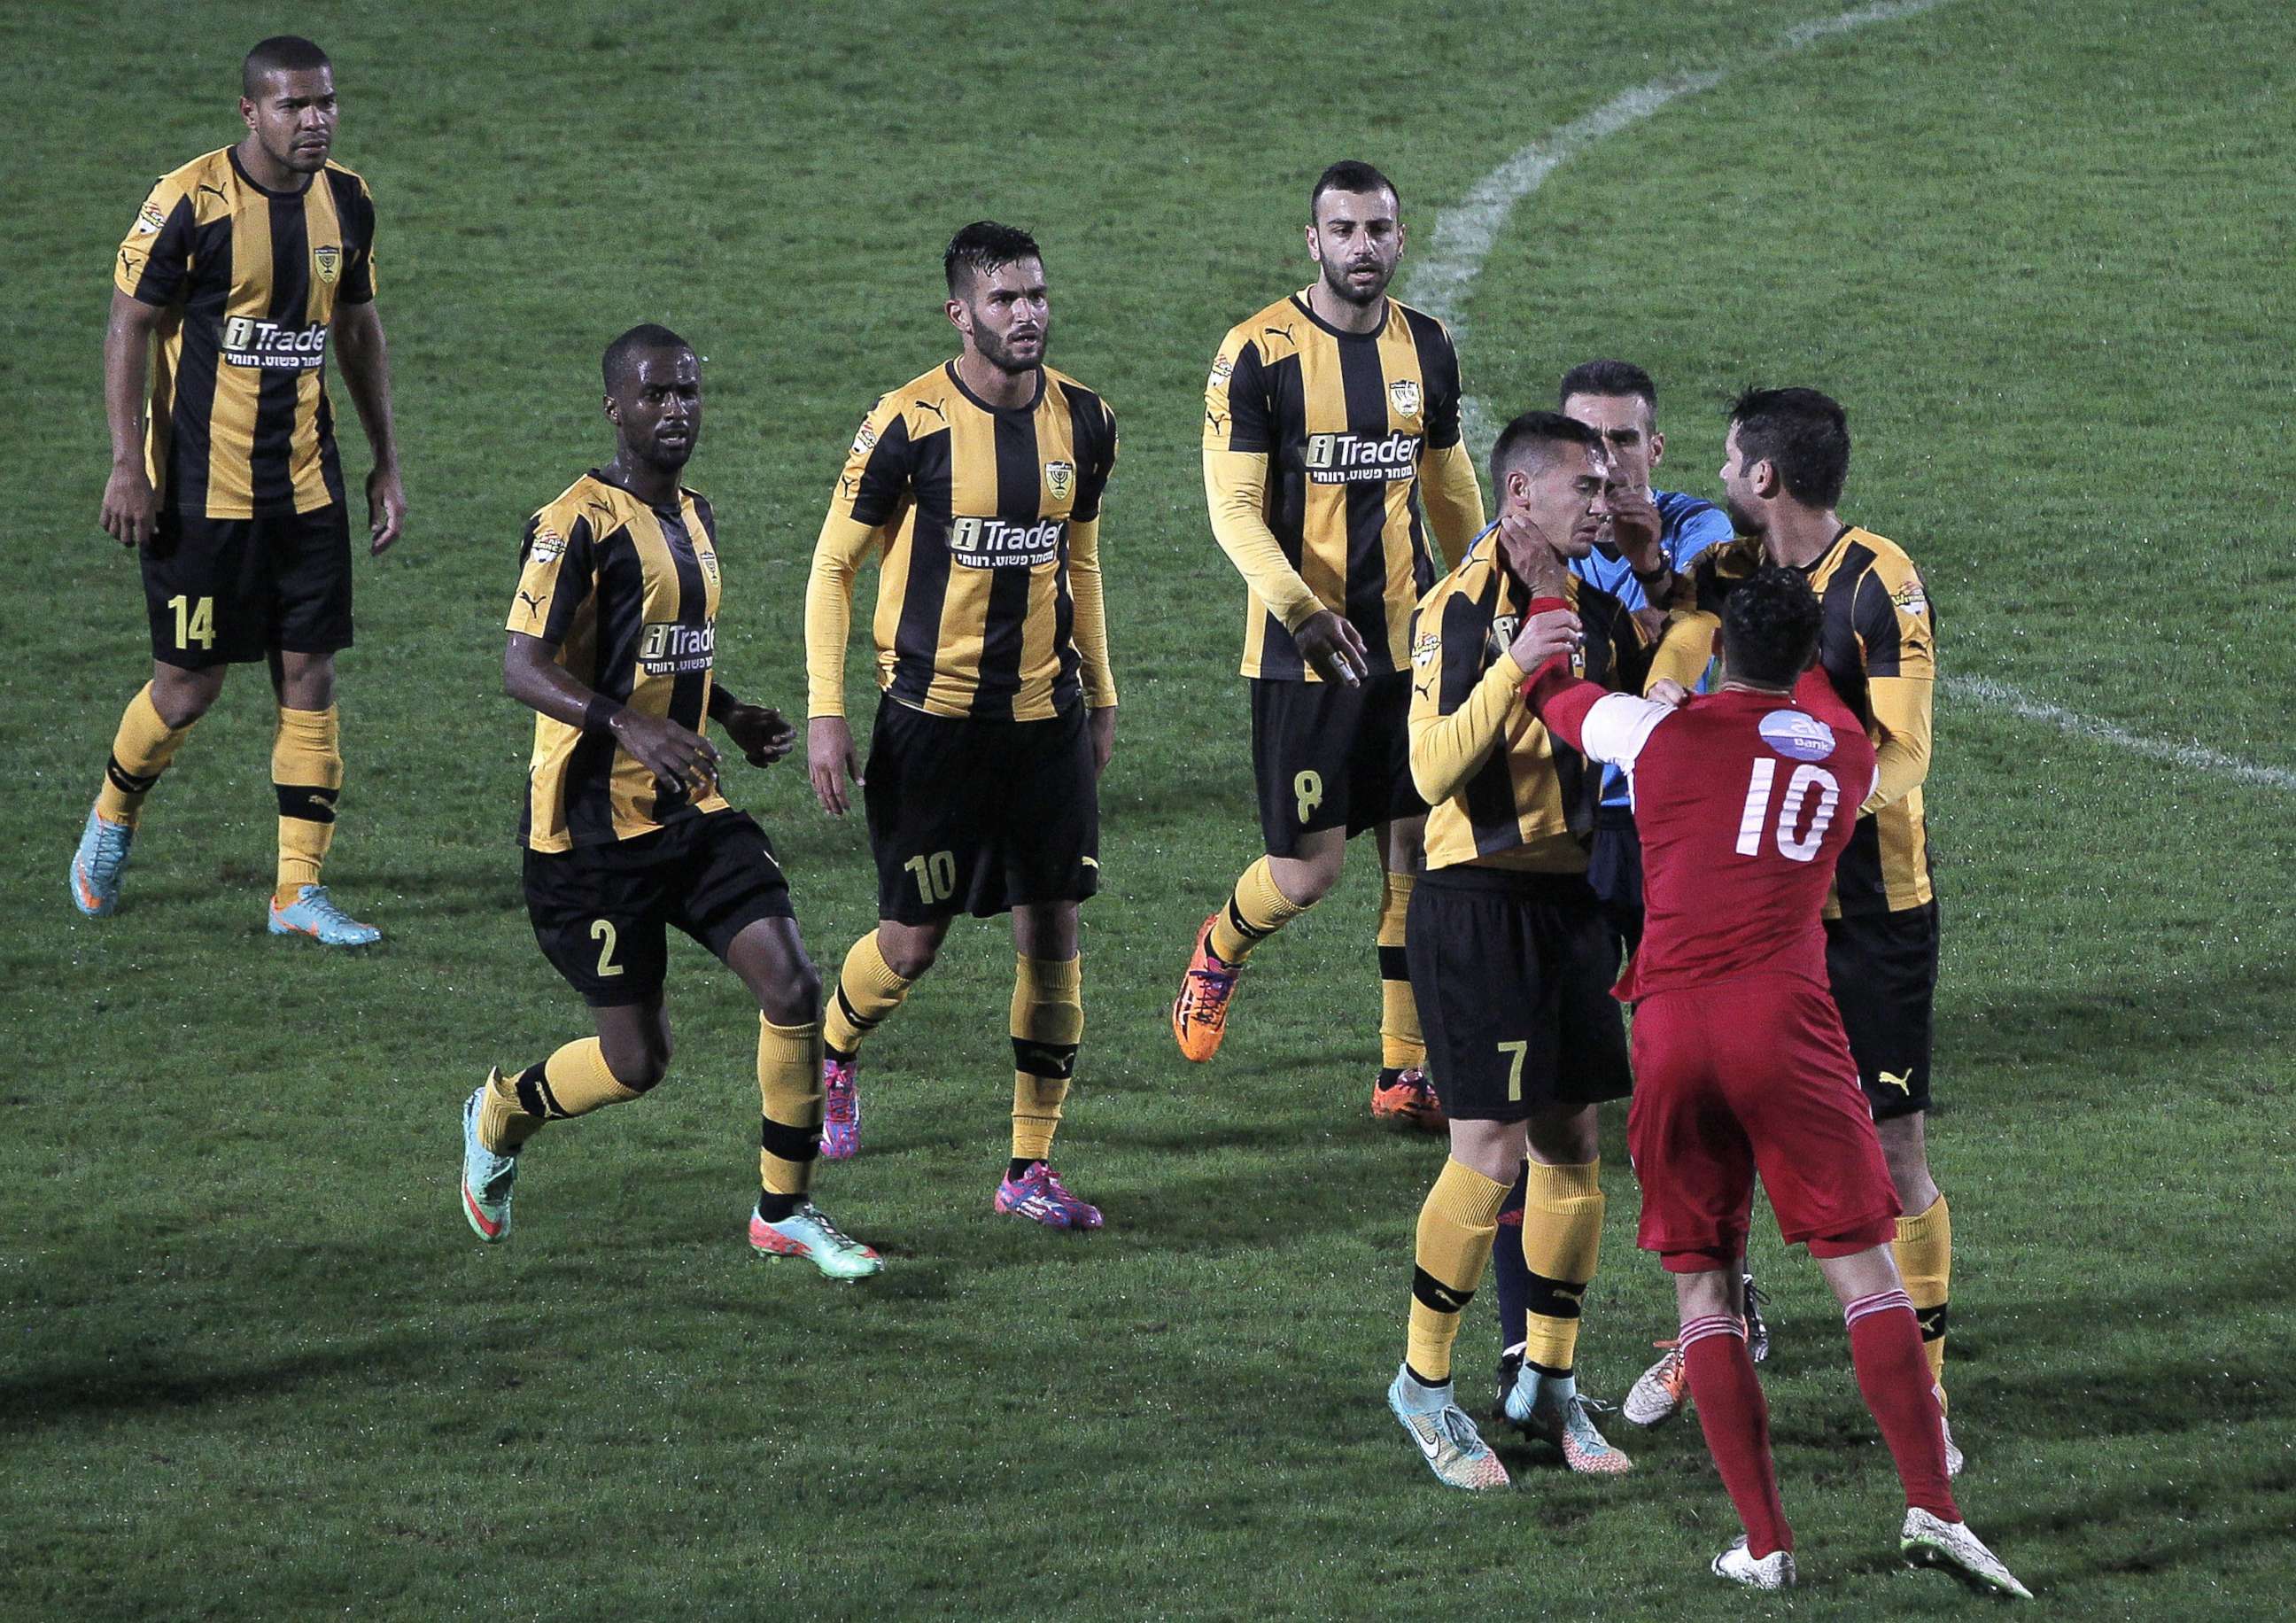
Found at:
<point>486,1177</point>
<point>808,1233</point>
<point>314,913</point>
<point>104,848</point>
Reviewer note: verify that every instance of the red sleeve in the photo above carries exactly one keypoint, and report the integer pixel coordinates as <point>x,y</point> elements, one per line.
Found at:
<point>1556,697</point>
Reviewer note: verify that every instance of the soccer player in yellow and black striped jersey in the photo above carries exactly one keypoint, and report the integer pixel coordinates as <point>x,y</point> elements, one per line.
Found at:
<point>1335,469</point>
<point>240,270</point>
<point>977,488</point>
<point>1510,953</point>
<point>613,640</point>
<point>1785,463</point>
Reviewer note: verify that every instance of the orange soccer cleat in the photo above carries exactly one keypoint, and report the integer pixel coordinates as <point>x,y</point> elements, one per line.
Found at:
<point>1199,1013</point>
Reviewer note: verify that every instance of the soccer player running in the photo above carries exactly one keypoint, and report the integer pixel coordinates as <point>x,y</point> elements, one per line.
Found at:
<point>240,270</point>
<point>978,487</point>
<point>1786,459</point>
<point>612,643</point>
<point>1510,955</point>
<point>1619,402</point>
<point>1745,800</point>
<point>1330,418</point>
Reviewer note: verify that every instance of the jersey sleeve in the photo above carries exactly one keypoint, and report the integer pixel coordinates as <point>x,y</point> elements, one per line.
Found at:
<point>1896,633</point>
<point>155,256</point>
<point>358,269</point>
<point>1236,413</point>
<point>874,490</point>
<point>1440,367</point>
<point>557,575</point>
<point>1099,462</point>
<point>1454,499</point>
<point>1459,708</point>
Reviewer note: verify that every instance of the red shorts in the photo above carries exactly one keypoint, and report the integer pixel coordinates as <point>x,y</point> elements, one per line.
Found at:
<point>1754,1075</point>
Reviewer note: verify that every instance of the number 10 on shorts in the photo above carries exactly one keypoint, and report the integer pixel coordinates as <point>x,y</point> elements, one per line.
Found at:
<point>936,876</point>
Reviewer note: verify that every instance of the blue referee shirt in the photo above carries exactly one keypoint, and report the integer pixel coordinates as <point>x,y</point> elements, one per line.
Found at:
<point>1687,527</point>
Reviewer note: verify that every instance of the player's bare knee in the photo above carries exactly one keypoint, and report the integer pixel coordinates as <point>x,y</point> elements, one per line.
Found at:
<point>796,999</point>
<point>909,954</point>
<point>639,1059</point>
<point>183,696</point>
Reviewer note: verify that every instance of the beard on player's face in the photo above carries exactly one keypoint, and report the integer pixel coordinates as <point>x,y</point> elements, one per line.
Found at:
<point>1339,280</point>
<point>1002,353</point>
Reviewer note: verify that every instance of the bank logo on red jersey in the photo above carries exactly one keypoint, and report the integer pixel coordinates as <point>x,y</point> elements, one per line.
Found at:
<point>1796,736</point>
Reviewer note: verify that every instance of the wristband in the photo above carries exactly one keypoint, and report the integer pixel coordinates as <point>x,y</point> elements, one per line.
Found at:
<point>1660,573</point>
<point>598,717</point>
<point>722,701</point>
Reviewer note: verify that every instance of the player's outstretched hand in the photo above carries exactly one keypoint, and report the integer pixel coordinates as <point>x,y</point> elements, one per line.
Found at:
<point>386,509</point>
<point>1667,691</point>
<point>762,733</point>
<point>674,755</point>
<point>1333,649</point>
<point>131,507</point>
<point>1542,636</point>
<point>830,762</point>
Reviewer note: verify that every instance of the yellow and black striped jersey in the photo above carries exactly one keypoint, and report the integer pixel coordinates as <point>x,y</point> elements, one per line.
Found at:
<point>987,524</point>
<point>628,595</point>
<point>1879,645</point>
<point>1502,791</point>
<point>239,424</point>
<point>1319,446</point>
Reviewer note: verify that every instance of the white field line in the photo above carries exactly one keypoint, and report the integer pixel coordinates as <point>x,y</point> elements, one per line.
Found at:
<point>2200,758</point>
<point>1464,237</point>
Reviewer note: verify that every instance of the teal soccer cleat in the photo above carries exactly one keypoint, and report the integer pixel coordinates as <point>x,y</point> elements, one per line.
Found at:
<point>314,913</point>
<point>104,848</point>
<point>486,1177</point>
<point>808,1233</point>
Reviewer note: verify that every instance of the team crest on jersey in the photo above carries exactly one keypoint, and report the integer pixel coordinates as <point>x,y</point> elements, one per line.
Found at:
<point>1426,649</point>
<point>329,260</point>
<point>1796,736</point>
<point>1059,479</point>
<point>548,547</point>
<point>150,219</point>
<point>1404,393</point>
<point>1223,369</point>
<point>1911,599</point>
<point>864,441</point>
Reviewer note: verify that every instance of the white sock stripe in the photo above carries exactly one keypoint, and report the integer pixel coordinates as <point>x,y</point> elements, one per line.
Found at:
<point>1706,1329</point>
<point>1881,1301</point>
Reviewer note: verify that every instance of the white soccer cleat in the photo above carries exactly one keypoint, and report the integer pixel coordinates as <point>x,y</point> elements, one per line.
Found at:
<point>1931,1541</point>
<point>1775,1571</point>
<point>1445,1439</point>
<point>1952,1453</point>
<point>1661,1390</point>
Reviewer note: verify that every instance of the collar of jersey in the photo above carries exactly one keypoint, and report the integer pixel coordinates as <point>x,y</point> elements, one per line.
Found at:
<point>1299,298</point>
<point>248,180</point>
<point>1035,401</point>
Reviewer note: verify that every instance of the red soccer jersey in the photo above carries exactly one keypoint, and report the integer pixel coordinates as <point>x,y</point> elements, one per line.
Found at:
<point>1743,802</point>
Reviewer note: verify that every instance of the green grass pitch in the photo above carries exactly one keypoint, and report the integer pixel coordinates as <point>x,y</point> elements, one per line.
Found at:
<point>254,1364</point>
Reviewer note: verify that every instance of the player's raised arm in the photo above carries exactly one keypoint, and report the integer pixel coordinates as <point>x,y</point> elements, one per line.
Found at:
<point>1460,706</point>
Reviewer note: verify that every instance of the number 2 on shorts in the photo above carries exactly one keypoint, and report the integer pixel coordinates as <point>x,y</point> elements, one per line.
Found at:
<point>602,931</point>
<point>1307,789</point>
<point>936,876</point>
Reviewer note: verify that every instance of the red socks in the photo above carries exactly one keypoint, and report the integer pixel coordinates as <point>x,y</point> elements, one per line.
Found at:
<point>1885,1345</point>
<point>1737,1419</point>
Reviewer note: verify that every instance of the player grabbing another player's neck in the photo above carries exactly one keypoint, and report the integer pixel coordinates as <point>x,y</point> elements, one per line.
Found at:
<point>998,301</point>
<point>1550,475</point>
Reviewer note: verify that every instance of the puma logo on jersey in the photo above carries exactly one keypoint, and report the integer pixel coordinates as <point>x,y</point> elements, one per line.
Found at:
<point>930,407</point>
<point>1903,1084</point>
<point>530,600</point>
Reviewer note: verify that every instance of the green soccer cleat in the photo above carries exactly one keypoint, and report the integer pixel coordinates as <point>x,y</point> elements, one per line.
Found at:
<point>1445,1439</point>
<point>314,913</point>
<point>808,1233</point>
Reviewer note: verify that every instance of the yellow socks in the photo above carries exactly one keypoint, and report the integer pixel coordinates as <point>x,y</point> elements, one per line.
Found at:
<point>1047,1025</point>
<point>574,1081</point>
<point>140,752</point>
<point>1561,1238</point>
<point>1255,912</point>
<point>306,771</point>
<point>867,992</point>
<point>1401,1046</point>
<point>1924,1253</point>
<point>1455,1229</point>
<point>789,1084</point>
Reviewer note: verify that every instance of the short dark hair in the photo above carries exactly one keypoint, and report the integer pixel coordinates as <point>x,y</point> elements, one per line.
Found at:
<point>647,338</point>
<point>1536,434</point>
<point>1347,175</point>
<point>1609,378</point>
<point>1802,433</point>
<point>280,53</point>
<point>981,248</point>
<point>1769,628</point>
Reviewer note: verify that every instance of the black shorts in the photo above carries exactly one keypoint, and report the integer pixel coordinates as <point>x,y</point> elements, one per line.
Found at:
<point>226,591</point>
<point>1327,756</point>
<point>978,815</point>
<point>1614,868</point>
<point>600,913</point>
<point>1512,973</point>
<point>1884,969</point>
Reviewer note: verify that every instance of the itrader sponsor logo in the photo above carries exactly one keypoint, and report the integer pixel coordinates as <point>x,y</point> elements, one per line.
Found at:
<point>273,345</point>
<point>670,648</point>
<point>996,544</point>
<point>1344,459</point>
